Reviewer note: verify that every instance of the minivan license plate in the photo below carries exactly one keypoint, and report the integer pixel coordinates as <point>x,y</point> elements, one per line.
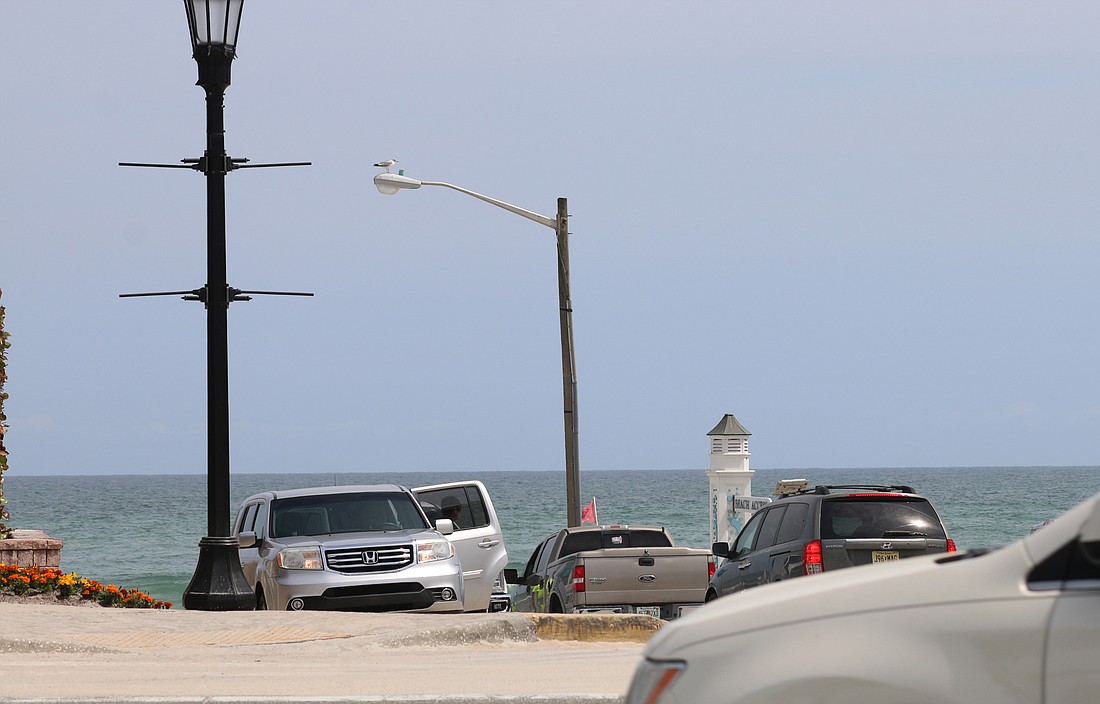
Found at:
<point>884,556</point>
<point>648,610</point>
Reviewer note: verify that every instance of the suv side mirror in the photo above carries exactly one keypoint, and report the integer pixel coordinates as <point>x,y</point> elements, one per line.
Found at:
<point>720,549</point>
<point>445,526</point>
<point>246,539</point>
<point>1090,535</point>
<point>532,580</point>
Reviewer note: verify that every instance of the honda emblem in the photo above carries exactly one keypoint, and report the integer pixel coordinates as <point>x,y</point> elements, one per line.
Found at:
<point>370,557</point>
<point>886,545</point>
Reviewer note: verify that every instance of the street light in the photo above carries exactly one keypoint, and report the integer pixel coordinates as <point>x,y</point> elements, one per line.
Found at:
<point>389,184</point>
<point>218,583</point>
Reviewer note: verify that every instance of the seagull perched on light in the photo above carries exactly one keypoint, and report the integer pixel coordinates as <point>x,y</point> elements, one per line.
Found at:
<point>386,164</point>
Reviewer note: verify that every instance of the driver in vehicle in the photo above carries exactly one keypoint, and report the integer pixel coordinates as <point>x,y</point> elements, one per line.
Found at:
<point>452,509</point>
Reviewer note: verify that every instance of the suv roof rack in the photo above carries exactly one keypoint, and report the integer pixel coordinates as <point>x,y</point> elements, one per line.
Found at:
<point>830,488</point>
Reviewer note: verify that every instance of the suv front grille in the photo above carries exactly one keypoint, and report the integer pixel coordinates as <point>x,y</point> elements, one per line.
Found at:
<point>369,559</point>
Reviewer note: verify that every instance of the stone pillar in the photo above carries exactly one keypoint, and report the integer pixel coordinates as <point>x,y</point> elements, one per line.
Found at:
<point>729,476</point>
<point>30,548</point>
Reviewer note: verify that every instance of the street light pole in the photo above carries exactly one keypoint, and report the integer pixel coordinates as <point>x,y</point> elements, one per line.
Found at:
<point>568,368</point>
<point>389,184</point>
<point>218,583</point>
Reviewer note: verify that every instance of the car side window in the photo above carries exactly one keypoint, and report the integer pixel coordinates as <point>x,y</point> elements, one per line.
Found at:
<point>747,537</point>
<point>530,568</point>
<point>260,525</point>
<point>1067,568</point>
<point>769,529</point>
<point>544,558</point>
<point>463,505</point>
<point>794,523</point>
<point>248,517</point>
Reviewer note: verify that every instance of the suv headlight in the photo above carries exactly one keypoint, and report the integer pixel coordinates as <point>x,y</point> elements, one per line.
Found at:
<point>431,550</point>
<point>300,559</point>
<point>651,679</point>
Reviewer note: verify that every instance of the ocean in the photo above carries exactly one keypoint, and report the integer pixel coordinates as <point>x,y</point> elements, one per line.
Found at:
<point>142,531</point>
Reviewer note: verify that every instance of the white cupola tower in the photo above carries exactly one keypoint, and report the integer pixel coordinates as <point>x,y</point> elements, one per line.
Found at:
<point>729,476</point>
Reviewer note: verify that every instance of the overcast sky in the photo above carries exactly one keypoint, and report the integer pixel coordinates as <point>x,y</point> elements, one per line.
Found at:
<point>868,229</point>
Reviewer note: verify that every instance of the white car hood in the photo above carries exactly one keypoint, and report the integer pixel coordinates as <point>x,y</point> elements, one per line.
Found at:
<point>917,581</point>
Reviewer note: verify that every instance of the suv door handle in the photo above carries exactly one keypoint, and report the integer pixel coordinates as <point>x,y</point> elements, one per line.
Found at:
<point>743,565</point>
<point>488,543</point>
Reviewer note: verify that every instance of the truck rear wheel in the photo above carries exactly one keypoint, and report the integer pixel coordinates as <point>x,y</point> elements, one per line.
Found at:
<point>555,606</point>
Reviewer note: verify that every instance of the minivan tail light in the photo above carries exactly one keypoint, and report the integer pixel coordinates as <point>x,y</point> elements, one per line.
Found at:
<point>578,578</point>
<point>950,545</point>
<point>811,557</point>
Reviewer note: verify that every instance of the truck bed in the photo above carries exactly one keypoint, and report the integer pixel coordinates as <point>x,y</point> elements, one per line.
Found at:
<point>643,576</point>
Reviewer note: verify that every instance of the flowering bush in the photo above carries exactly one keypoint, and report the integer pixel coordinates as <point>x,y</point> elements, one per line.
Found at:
<point>50,580</point>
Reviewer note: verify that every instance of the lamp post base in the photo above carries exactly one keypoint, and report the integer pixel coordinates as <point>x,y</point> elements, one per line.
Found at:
<point>218,583</point>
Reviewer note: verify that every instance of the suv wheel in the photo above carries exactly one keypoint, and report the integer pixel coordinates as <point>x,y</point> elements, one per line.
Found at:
<point>711,596</point>
<point>261,600</point>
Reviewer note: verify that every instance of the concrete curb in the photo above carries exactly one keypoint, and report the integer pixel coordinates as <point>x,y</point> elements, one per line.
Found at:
<point>595,628</point>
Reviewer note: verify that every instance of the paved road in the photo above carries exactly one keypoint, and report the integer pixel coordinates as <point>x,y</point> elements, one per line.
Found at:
<point>86,653</point>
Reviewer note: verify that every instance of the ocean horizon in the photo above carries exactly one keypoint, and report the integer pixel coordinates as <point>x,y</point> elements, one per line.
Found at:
<point>141,531</point>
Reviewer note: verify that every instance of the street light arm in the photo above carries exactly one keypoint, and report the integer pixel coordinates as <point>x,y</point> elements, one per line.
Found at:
<point>540,219</point>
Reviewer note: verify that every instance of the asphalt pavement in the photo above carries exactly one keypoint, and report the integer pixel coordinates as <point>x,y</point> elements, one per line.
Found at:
<point>95,654</point>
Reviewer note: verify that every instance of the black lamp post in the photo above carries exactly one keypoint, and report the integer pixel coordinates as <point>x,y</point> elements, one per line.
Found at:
<point>218,583</point>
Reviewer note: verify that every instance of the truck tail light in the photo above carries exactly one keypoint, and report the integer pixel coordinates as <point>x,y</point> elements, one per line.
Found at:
<point>811,557</point>
<point>710,568</point>
<point>951,545</point>
<point>578,578</point>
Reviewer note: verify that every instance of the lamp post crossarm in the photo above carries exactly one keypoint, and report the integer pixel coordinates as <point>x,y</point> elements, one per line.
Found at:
<point>540,219</point>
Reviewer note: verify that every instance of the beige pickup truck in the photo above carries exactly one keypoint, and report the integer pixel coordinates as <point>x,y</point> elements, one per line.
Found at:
<point>613,569</point>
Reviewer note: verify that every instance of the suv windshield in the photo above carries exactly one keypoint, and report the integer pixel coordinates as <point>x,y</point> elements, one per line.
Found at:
<point>345,513</point>
<point>879,517</point>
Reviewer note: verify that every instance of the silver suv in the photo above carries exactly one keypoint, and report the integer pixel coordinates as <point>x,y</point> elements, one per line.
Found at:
<point>352,548</point>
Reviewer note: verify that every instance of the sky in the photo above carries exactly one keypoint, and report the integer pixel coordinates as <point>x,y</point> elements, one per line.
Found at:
<point>866,229</point>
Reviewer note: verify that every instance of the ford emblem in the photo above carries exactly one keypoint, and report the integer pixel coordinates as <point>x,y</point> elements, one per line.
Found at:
<point>648,578</point>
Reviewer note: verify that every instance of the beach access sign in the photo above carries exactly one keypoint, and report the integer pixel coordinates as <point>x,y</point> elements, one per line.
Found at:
<point>750,503</point>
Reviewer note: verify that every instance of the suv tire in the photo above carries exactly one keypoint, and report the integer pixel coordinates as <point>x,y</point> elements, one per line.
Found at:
<point>261,600</point>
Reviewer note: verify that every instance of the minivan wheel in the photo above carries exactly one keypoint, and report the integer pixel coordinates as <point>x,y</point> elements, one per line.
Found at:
<point>711,596</point>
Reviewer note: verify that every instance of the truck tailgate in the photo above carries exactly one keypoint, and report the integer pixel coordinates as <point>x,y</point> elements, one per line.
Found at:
<point>644,575</point>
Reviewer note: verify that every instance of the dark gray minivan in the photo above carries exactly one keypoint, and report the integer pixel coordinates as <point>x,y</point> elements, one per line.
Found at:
<point>823,528</point>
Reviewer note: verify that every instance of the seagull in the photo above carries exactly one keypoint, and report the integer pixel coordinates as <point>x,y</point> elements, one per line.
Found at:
<point>386,164</point>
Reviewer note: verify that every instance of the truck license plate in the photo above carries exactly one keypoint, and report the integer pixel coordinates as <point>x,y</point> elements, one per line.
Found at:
<point>884,555</point>
<point>648,610</point>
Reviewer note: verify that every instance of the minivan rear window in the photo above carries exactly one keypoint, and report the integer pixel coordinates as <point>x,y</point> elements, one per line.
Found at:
<point>879,517</point>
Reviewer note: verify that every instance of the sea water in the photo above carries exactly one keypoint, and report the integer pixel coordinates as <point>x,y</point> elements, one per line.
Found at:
<point>142,531</point>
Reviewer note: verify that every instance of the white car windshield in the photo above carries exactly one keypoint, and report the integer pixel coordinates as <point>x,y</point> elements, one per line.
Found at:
<point>345,513</point>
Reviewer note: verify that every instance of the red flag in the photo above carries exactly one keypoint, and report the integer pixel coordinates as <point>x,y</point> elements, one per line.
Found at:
<point>588,513</point>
